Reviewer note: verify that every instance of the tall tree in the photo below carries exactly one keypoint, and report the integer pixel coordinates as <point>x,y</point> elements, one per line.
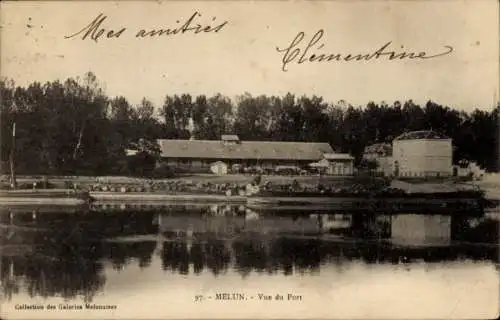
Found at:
<point>252,117</point>
<point>73,126</point>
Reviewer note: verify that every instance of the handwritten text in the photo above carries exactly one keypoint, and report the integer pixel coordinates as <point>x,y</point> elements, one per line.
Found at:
<point>300,52</point>
<point>96,30</point>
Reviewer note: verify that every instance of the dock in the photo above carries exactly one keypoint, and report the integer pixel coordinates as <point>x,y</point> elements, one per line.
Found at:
<point>415,203</point>
<point>54,197</point>
<point>144,197</point>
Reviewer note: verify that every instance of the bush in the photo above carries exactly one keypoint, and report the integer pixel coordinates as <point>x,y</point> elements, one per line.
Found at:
<point>4,186</point>
<point>164,172</point>
<point>257,179</point>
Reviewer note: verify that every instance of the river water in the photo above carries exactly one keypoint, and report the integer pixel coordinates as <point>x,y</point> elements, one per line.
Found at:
<point>219,261</point>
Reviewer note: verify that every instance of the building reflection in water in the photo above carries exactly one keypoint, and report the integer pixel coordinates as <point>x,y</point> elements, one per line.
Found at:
<point>60,254</point>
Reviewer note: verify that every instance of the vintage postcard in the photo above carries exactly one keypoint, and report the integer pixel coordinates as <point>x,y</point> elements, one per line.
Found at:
<point>249,159</point>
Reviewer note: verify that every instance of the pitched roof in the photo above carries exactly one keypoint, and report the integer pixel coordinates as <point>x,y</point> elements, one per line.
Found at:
<point>230,137</point>
<point>379,148</point>
<point>269,150</point>
<point>218,162</point>
<point>338,156</point>
<point>423,134</point>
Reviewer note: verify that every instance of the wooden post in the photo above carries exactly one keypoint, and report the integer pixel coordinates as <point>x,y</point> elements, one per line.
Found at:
<point>496,105</point>
<point>11,269</point>
<point>160,239</point>
<point>12,153</point>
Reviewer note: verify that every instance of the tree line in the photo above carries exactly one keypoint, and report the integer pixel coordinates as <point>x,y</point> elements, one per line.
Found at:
<point>73,127</point>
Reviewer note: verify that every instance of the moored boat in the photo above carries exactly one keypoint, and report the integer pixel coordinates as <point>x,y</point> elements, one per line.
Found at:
<point>463,201</point>
<point>44,196</point>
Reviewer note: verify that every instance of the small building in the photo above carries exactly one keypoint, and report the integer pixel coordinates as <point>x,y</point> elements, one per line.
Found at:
<point>219,168</point>
<point>381,153</point>
<point>341,164</point>
<point>201,154</point>
<point>466,168</point>
<point>422,154</point>
<point>335,222</point>
<point>230,139</point>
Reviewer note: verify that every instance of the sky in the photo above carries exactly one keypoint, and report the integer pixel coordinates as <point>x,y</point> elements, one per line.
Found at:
<point>242,56</point>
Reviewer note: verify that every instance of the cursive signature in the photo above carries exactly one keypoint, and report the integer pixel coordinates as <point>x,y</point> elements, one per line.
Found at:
<point>300,52</point>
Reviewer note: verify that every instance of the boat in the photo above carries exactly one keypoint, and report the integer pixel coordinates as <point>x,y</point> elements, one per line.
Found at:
<point>44,197</point>
<point>463,201</point>
<point>163,197</point>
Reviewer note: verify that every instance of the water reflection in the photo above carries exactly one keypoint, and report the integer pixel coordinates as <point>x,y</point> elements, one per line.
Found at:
<point>60,266</point>
<point>63,254</point>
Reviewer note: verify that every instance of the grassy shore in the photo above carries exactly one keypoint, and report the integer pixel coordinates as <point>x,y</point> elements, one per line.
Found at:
<point>491,185</point>
<point>197,183</point>
<point>239,179</point>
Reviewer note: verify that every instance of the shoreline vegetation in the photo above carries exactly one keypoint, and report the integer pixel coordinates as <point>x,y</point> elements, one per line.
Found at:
<point>354,194</point>
<point>219,184</point>
<point>234,185</point>
<point>87,132</point>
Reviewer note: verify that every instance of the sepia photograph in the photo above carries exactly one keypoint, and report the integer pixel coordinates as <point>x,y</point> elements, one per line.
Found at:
<point>250,159</point>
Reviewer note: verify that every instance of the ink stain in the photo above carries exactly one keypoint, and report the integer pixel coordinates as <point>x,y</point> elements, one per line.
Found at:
<point>29,25</point>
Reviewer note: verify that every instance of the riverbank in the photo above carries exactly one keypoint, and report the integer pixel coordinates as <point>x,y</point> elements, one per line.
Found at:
<point>161,197</point>
<point>201,187</point>
<point>22,201</point>
<point>233,189</point>
<point>53,197</point>
<point>209,183</point>
<point>239,179</point>
<point>490,184</point>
